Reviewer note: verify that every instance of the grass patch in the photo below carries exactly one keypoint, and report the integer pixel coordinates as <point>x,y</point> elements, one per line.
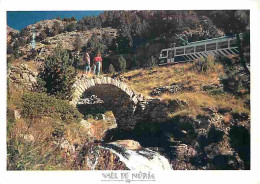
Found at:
<point>40,104</point>
<point>183,73</point>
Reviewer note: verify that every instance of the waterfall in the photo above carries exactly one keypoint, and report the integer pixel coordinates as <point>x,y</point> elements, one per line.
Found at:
<point>144,159</point>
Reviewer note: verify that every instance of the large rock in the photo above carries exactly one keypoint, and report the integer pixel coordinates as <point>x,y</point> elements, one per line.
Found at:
<point>128,144</point>
<point>17,114</point>
<point>85,124</point>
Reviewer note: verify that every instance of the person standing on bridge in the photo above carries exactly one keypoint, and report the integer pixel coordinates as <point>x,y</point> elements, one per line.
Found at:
<point>97,63</point>
<point>86,59</point>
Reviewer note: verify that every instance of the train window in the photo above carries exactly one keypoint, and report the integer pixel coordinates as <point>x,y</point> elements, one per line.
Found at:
<point>200,48</point>
<point>179,51</point>
<point>170,53</point>
<point>179,58</point>
<point>189,50</point>
<point>211,46</point>
<point>223,45</point>
<point>233,43</point>
<point>164,53</point>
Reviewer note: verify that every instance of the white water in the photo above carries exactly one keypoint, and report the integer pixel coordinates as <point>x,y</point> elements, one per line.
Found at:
<point>144,159</point>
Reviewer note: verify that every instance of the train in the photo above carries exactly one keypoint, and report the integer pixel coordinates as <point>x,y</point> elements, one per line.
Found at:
<point>225,45</point>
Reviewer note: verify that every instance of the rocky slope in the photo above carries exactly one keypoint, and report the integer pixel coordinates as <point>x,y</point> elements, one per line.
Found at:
<point>10,31</point>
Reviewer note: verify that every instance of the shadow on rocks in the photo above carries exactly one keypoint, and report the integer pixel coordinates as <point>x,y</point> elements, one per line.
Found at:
<point>240,141</point>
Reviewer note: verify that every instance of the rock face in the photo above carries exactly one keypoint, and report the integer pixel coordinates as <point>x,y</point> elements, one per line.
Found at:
<point>92,156</point>
<point>23,76</point>
<point>10,31</point>
<point>66,39</point>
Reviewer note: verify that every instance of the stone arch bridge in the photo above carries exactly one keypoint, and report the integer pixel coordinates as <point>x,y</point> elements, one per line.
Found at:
<point>128,106</point>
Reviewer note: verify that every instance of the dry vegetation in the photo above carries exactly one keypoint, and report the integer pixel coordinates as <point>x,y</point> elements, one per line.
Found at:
<point>145,80</point>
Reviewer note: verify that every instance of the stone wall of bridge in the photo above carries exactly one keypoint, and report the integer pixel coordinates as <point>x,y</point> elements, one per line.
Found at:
<point>128,106</point>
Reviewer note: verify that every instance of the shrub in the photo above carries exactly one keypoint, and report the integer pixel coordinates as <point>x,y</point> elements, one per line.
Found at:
<point>121,63</point>
<point>40,85</point>
<point>151,62</point>
<point>10,49</point>
<point>203,65</point>
<point>77,43</point>
<point>57,29</point>
<point>36,105</point>
<point>33,54</point>
<point>234,80</point>
<point>9,61</point>
<point>134,63</point>
<point>95,45</point>
<point>59,73</point>
<point>111,69</point>
<point>71,27</point>
<point>41,36</point>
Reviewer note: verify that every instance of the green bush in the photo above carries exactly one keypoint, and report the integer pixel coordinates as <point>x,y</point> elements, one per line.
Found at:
<point>77,43</point>
<point>151,62</point>
<point>95,45</point>
<point>111,69</point>
<point>71,27</point>
<point>40,104</point>
<point>59,74</point>
<point>121,63</point>
<point>203,65</point>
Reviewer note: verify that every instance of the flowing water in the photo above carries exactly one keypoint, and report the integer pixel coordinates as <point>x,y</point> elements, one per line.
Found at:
<point>144,159</point>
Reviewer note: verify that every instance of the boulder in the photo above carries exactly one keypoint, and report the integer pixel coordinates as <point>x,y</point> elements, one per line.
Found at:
<point>32,79</point>
<point>85,124</point>
<point>128,144</point>
<point>27,137</point>
<point>17,114</point>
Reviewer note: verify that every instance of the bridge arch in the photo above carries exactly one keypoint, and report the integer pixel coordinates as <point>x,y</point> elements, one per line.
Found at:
<point>117,96</point>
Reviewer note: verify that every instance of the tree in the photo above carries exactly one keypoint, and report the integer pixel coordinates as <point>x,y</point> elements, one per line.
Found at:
<point>77,43</point>
<point>71,27</point>
<point>95,45</point>
<point>16,49</point>
<point>10,49</point>
<point>73,19</point>
<point>121,63</point>
<point>124,39</point>
<point>24,32</point>
<point>57,29</point>
<point>134,63</point>
<point>48,31</point>
<point>151,62</point>
<point>41,36</point>
<point>59,74</point>
<point>233,22</point>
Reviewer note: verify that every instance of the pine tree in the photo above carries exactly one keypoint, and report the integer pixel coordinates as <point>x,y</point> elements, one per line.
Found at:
<point>59,73</point>
<point>121,63</point>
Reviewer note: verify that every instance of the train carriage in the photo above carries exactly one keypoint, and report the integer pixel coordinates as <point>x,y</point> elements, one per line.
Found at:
<point>194,50</point>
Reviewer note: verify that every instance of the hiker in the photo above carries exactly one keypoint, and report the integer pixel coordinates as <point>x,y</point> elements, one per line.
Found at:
<point>86,59</point>
<point>97,63</point>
